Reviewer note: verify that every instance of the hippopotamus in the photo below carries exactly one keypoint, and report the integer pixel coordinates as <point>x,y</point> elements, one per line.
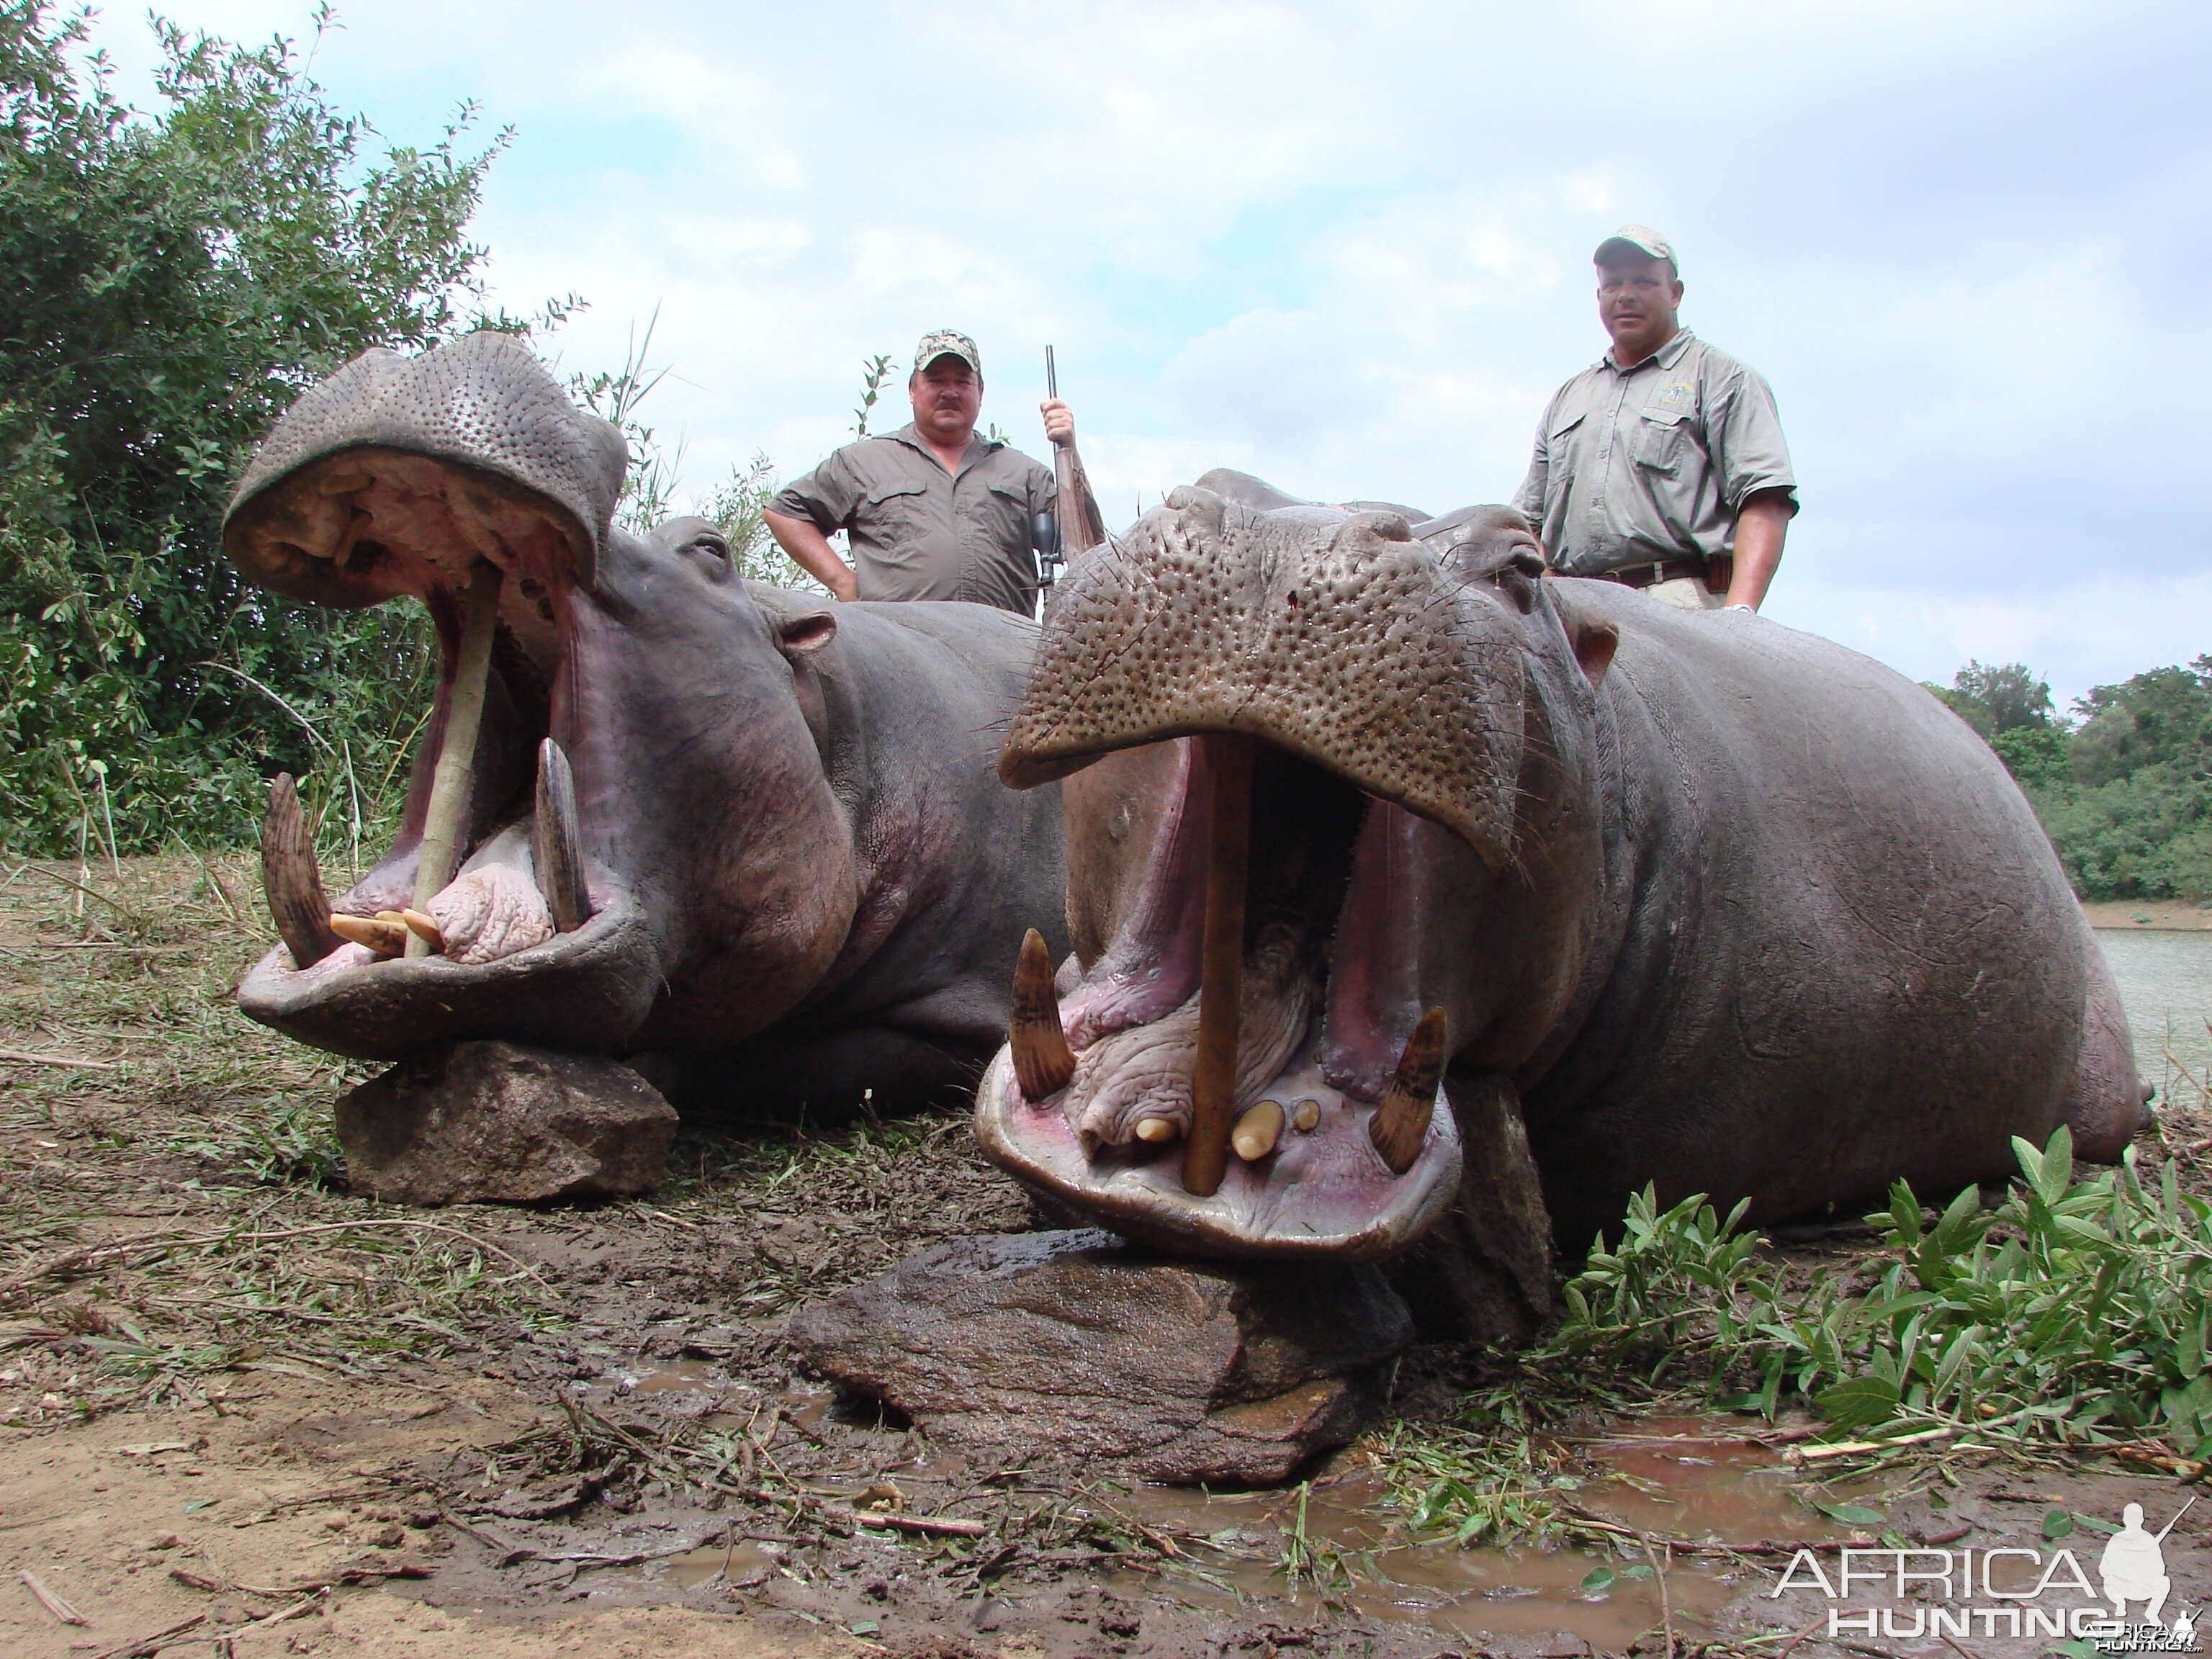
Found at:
<point>687,814</point>
<point>1486,870</point>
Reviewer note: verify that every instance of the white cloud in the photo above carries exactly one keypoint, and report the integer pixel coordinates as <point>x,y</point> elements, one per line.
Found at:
<point>1345,247</point>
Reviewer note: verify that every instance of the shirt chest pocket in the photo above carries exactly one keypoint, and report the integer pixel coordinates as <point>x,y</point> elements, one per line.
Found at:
<point>1665,438</point>
<point>894,513</point>
<point>1001,511</point>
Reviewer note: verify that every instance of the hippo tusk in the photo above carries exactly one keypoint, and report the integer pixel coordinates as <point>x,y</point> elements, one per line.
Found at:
<point>422,926</point>
<point>1221,974</point>
<point>1154,1130</point>
<point>1305,1116</point>
<point>1258,1130</point>
<point>449,784</point>
<point>556,845</point>
<point>1401,1121</point>
<point>289,880</point>
<point>1042,1061</point>
<point>386,939</point>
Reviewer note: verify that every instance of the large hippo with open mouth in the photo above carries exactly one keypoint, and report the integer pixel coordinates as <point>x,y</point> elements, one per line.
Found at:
<point>656,806</point>
<point>1366,817</point>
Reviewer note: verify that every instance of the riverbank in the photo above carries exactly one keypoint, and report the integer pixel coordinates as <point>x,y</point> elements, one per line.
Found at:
<point>2160,915</point>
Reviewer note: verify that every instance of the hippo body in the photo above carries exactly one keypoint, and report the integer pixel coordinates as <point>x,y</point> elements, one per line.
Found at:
<point>1835,947</point>
<point>804,880</point>
<point>1697,900</point>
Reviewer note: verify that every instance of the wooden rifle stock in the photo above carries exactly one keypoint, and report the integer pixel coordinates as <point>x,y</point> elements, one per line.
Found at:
<point>1075,510</point>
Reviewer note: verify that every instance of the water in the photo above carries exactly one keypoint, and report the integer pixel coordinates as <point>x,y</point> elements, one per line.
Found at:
<point>2165,986</point>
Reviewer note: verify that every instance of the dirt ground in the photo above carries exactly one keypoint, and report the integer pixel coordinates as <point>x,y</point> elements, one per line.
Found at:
<point>241,1411</point>
<point>2156,915</point>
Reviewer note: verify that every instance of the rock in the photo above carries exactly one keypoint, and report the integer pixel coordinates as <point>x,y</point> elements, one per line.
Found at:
<point>501,1122</point>
<point>1081,1345</point>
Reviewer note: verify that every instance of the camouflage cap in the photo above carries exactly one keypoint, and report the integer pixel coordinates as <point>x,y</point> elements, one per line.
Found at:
<point>947,342</point>
<point>1640,239</point>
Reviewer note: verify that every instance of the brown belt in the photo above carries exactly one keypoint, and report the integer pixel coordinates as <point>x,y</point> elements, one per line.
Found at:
<point>1715,573</point>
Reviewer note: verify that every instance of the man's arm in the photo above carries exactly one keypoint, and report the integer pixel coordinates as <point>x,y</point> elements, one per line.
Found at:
<point>811,551</point>
<point>1760,524</point>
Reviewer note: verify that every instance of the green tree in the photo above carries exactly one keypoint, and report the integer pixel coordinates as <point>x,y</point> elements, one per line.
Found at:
<point>1998,697</point>
<point>174,279</point>
<point>2130,814</point>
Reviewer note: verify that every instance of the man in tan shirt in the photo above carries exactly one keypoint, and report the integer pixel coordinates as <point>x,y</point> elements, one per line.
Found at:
<point>933,511</point>
<point>1663,464</point>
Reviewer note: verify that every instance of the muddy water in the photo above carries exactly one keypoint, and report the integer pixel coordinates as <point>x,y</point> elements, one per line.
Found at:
<point>2164,980</point>
<point>1683,1478</point>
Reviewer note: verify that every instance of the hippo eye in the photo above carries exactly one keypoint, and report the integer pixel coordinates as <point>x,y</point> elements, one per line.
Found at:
<point>713,547</point>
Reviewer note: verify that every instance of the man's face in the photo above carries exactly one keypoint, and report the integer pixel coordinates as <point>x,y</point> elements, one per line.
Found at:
<point>1637,299</point>
<point>947,395</point>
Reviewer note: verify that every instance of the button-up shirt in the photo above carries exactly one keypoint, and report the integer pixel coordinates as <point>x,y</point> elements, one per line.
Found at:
<point>1639,465</point>
<point>920,532</point>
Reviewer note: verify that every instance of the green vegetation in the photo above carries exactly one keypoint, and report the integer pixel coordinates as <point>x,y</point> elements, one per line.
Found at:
<point>2074,1313</point>
<point>2124,790</point>
<point>178,278</point>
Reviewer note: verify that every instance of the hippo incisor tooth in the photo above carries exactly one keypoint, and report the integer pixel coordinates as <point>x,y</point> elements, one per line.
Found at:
<point>422,926</point>
<point>1154,1130</point>
<point>290,880</point>
<point>1305,1115</point>
<point>1258,1130</point>
<point>1042,1061</point>
<point>386,939</point>
<point>449,783</point>
<point>1401,1121</point>
<point>556,845</point>
<point>1221,964</point>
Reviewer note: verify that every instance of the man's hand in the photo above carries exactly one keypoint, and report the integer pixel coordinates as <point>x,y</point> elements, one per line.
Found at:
<point>1059,421</point>
<point>1760,524</point>
<point>811,551</point>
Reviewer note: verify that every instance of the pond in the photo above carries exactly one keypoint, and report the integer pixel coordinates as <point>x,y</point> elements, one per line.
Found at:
<point>2165,986</point>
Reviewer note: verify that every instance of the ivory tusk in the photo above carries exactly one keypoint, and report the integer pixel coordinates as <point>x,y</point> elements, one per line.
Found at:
<point>1305,1116</point>
<point>1221,974</point>
<point>1258,1130</point>
<point>386,939</point>
<point>556,844</point>
<point>290,880</point>
<point>1042,1061</point>
<point>449,784</point>
<point>423,927</point>
<point>1401,1121</point>
<point>1154,1130</point>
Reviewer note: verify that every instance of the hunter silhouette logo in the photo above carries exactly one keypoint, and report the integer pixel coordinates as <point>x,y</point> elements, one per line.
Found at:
<point>2134,1566</point>
<point>2007,1591</point>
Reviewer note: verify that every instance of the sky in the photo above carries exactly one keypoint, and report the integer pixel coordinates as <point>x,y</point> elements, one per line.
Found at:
<point>1346,247</point>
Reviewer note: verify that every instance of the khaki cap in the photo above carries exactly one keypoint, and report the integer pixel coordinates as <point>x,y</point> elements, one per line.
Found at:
<point>946,342</point>
<point>1644,240</point>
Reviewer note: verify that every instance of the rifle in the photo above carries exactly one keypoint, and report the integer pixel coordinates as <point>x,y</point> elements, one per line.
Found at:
<point>1077,525</point>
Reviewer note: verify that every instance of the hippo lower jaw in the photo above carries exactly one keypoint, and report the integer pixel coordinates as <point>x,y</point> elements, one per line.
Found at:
<point>1336,1150</point>
<point>588,990</point>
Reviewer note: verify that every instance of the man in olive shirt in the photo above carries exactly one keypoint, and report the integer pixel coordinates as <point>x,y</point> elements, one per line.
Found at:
<point>933,512</point>
<point>1662,466</point>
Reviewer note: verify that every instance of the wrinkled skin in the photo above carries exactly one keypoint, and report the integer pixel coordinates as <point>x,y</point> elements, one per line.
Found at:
<point>1707,904</point>
<point>804,878</point>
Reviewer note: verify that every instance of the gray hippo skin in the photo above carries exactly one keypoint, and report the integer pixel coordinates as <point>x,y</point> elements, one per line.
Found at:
<point>802,871</point>
<point>1705,902</point>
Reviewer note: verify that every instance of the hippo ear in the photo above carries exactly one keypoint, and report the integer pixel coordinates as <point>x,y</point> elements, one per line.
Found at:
<point>805,634</point>
<point>1592,641</point>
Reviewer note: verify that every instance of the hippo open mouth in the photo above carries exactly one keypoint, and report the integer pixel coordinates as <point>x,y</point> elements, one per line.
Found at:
<point>1327,1130</point>
<point>487,915</point>
<point>1269,794</point>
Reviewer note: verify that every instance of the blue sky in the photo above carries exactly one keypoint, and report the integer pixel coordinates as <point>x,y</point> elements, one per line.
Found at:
<point>1346,246</point>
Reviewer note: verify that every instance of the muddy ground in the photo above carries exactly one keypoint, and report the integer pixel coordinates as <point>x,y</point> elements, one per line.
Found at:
<point>241,1411</point>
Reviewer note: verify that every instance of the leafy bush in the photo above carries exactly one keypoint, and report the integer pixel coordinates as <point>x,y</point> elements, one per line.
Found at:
<point>2074,1311</point>
<point>175,280</point>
